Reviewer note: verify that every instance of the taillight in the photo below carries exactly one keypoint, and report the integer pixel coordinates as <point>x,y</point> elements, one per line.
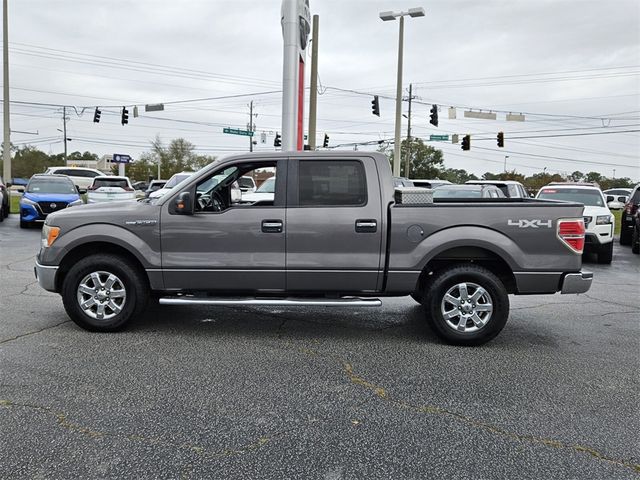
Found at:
<point>571,232</point>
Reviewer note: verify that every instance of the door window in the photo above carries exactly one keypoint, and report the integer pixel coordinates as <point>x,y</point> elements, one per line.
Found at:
<point>331,183</point>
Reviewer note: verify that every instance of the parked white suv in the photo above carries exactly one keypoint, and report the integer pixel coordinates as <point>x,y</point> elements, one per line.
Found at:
<point>173,181</point>
<point>109,189</point>
<point>598,220</point>
<point>80,176</point>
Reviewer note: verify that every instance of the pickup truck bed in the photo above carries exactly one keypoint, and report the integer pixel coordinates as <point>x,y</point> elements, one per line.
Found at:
<point>330,232</point>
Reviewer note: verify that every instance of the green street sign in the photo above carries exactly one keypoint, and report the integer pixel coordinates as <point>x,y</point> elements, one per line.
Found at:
<point>438,138</point>
<point>237,131</point>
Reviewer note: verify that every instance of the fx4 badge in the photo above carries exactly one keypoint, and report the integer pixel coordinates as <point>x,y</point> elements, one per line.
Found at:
<point>535,223</point>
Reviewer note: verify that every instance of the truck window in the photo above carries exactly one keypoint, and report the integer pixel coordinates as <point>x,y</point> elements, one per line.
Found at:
<point>331,183</point>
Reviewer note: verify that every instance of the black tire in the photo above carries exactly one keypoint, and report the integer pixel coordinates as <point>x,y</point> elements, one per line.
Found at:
<point>135,285</point>
<point>417,297</point>
<point>24,224</point>
<point>625,236</point>
<point>635,241</point>
<point>605,253</point>
<point>448,279</point>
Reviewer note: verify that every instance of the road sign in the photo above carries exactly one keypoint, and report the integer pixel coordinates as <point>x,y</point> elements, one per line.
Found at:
<point>237,131</point>
<point>121,158</point>
<point>438,138</point>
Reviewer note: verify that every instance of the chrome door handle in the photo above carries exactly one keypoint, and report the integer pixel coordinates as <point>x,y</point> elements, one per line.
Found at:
<point>366,226</point>
<point>272,226</point>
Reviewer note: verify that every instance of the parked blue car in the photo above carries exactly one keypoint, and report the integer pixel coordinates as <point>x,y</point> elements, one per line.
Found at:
<point>46,194</point>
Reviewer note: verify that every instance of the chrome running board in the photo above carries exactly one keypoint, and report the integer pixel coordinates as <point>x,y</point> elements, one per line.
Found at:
<point>273,302</point>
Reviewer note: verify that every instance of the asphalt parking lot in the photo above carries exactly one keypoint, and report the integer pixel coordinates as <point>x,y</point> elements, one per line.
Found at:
<point>318,392</point>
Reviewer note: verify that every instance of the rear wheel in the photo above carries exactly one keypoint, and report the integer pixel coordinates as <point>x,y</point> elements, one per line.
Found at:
<point>605,254</point>
<point>467,305</point>
<point>102,293</point>
<point>635,241</point>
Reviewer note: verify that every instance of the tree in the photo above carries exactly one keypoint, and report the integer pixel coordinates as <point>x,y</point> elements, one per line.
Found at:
<point>576,176</point>
<point>593,177</point>
<point>425,161</point>
<point>29,160</point>
<point>457,175</point>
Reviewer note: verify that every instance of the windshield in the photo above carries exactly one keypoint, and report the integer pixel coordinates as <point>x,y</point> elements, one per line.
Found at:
<point>176,179</point>
<point>444,192</point>
<point>581,195</point>
<point>51,185</point>
<point>268,186</point>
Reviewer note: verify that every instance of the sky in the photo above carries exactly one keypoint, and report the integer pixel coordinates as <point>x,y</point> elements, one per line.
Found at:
<point>572,67</point>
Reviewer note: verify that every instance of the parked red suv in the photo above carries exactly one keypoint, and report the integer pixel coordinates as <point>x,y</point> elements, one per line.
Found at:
<point>627,221</point>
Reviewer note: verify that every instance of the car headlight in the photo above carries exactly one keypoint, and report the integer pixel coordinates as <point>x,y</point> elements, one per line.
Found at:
<point>604,219</point>
<point>76,202</point>
<point>28,202</point>
<point>49,235</point>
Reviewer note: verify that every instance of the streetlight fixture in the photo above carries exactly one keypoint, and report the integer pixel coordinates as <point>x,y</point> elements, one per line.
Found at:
<point>386,16</point>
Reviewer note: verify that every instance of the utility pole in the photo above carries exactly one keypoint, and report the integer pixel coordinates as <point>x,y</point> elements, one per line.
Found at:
<point>6,155</point>
<point>313,92</point>
<point>407,161</point>
<point>251,125</point>
<point>64,132</point>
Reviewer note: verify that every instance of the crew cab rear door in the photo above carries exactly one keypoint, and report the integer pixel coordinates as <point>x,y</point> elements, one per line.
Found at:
<point>334,225</point>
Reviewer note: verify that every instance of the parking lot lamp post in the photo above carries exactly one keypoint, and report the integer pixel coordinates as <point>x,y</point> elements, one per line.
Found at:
<point>386,16</point>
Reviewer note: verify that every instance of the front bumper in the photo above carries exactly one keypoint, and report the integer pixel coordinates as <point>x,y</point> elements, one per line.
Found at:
<point>46,276</point>
<point>576,282</point>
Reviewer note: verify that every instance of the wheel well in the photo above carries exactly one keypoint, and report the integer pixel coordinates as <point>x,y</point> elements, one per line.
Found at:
<point>475,255</point>
<point>87,249</point>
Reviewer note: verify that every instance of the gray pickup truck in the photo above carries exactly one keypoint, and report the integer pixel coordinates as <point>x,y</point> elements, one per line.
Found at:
<point>328,231</point>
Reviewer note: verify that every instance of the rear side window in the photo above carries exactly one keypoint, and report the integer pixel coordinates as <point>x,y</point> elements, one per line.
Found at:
<point>108,182</point>
<point>331,183</point>
<point>635,199</point>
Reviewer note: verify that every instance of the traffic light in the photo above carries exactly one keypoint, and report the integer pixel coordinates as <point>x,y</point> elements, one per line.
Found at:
<point>96,115</point>
<point>277,142</point>
<point>325,144</point>
<point>434,115</point>
<point>125,116</point>
<point>375,106</point>
<point>466,142</point>
<point>500,139</point>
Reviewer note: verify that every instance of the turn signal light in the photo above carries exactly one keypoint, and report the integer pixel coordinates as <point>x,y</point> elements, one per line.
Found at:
<point>571,232</point>
<point>49,235</point>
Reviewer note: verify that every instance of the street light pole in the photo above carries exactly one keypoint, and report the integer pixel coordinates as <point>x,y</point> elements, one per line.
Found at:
<point>6,145</point>
<point>397,142</point>
<point>386,16</point>
<point>505,163</point>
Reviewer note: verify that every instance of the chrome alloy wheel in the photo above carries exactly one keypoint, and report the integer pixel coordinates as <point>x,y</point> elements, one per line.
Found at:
<point>466,307</point>
<point>101,295</point>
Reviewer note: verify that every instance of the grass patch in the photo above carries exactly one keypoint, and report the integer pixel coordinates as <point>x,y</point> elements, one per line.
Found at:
<point>15,204</point>
<point>618,218</point>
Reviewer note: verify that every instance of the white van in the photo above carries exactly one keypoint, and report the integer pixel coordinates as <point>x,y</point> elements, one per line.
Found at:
<point>80,176</point>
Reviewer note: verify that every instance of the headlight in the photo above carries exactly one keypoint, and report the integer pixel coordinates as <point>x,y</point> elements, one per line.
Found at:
<point>76,202</point>
<point>49,235</point>
<point>604,219</point>
<point>27,201</point>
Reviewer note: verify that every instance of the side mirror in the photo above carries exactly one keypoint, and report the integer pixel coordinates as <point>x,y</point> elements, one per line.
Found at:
<point>182,204</point>
<point>20,190</point>
<point>236,195</point>
<point>610,198</point>
<point>82,191</point>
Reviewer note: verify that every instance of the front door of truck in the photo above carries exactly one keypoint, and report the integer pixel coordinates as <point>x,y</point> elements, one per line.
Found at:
<point>334,225</point>
<point>229,244</point>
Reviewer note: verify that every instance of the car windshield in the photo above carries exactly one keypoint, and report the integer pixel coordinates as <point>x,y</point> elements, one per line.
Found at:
<point>268,186</point>
<point>176,179</point>
<point>585,196</point>
<point>51,185</point>
<point>110,182</point>
<point>448,192</point>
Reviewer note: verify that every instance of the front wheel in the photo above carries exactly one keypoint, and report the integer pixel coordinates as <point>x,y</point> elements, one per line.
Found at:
<point>467,305</point>
<point>102,293</point>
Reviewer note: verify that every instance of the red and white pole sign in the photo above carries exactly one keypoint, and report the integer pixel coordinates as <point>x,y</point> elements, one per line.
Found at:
<point>296,26</point>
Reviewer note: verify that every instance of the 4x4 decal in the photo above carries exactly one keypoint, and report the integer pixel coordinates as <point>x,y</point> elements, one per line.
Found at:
<point>524,223</point>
